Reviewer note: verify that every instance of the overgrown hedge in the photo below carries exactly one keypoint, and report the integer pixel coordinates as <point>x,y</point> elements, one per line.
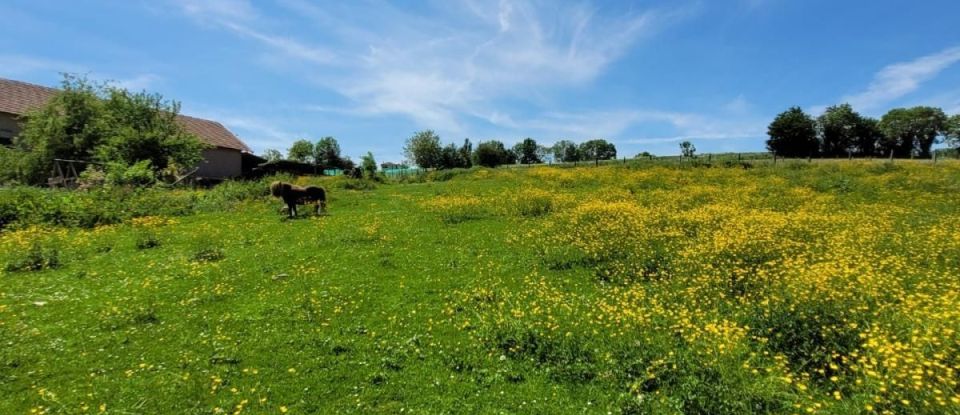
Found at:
<point>23,205</point>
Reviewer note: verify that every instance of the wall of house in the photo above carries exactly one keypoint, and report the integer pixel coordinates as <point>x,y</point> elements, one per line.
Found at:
<point>220,162</point>
<point>9,128</point>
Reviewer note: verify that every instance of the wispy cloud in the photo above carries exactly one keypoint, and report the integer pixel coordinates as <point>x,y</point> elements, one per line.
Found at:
<point>21,66</point>
<point>12,66</point>
<point>138,83</point>
<point>439,71</point>
<point>238,16</point>
<point>899,79</point>
<point>256,131</point>
<point>231,10</point>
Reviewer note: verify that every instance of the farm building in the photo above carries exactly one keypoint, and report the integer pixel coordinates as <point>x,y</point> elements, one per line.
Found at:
<point>224,158</point>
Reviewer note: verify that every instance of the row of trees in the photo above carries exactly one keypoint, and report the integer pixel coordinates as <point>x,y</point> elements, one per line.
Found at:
<point>425,150</point>
<point>325,153</point>
<point>841,131</point>
<point>103,124</point>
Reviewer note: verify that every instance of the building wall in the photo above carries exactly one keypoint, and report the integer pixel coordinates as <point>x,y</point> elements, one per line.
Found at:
<point>220,162</point>
<point>9,128</point>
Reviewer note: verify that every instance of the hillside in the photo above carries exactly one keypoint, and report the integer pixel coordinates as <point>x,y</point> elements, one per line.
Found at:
<point>824,287</point>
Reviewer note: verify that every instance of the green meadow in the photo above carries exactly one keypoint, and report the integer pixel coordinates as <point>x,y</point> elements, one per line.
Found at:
<point>798,288</point>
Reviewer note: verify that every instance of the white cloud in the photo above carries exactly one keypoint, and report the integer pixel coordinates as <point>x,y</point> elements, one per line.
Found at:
<point>288,46</point>
<point>13,66</point>
<point>231,10</point>
<point>459,66</point>
<point>137,83</point>
<point>899,79</point>
<point>238,15</point>
<point>440,69</point>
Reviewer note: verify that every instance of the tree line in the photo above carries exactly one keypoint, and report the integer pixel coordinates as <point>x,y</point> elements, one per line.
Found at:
<point>425,150</point>
<point>842,132</point>
<point>325,153</point>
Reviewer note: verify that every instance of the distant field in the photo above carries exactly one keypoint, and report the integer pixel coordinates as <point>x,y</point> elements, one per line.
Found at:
<point>800,288</point>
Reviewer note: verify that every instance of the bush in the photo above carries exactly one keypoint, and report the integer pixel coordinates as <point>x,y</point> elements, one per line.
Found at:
<point>23,206</point>
<point>92,177</point>
<point>147,240</point>
<point>357,184</point>
<point>36,258</point>
<point>533,203</point>
<point>138,174</point>
<point>208,251</point>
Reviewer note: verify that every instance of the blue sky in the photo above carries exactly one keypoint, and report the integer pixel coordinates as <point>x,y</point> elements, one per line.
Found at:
<point>642,74</point>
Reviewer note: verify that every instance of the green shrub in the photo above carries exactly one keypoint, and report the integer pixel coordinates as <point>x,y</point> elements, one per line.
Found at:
<point>812,334</point>
<point>36,258</point>
<point>533,205</point>
<point>147,240</point>
<point>206,250</point>
<point>92,177</point>
<point>137,174</point>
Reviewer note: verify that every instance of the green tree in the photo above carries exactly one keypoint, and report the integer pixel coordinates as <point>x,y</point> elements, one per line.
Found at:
<point>527,151</point>
<point>327,153</point>
<point>931,123</point>
<point>368,165</point>
<point>492,154</point>
<point>565,151</point>
<point>597,150</point>
<point>449,157</point>
<point>97,122</point>
<point>897,128</point>
<point>793,133</point>
<point>466,153</point>
<point>70,126</point>
<point>145,127</point>
<point>867,136</point>
<point>838,127</point>
<point>301,151</point>
<point>423,149</point>
<point>912,129</point>
<point>545,153</point>
<point>952,132</point>
<point>687,149</point>
<point>272,155</point>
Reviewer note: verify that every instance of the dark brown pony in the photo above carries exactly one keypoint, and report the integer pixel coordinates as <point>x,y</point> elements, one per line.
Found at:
<point>295,195</point>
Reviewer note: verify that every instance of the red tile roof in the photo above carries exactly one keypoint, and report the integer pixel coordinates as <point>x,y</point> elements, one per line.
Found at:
<point>18,98</point>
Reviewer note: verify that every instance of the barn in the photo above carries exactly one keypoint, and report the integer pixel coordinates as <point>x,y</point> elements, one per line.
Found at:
<point>224,159</point>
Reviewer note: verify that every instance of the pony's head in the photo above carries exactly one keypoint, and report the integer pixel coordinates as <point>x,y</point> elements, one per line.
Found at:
<point>277,189</point>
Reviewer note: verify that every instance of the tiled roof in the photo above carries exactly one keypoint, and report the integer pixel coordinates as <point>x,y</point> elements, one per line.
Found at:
<point>18,98</point>
<point>212,132</point>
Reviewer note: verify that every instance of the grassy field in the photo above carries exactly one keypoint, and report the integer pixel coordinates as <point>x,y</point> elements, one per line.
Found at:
<point>801,288</point>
